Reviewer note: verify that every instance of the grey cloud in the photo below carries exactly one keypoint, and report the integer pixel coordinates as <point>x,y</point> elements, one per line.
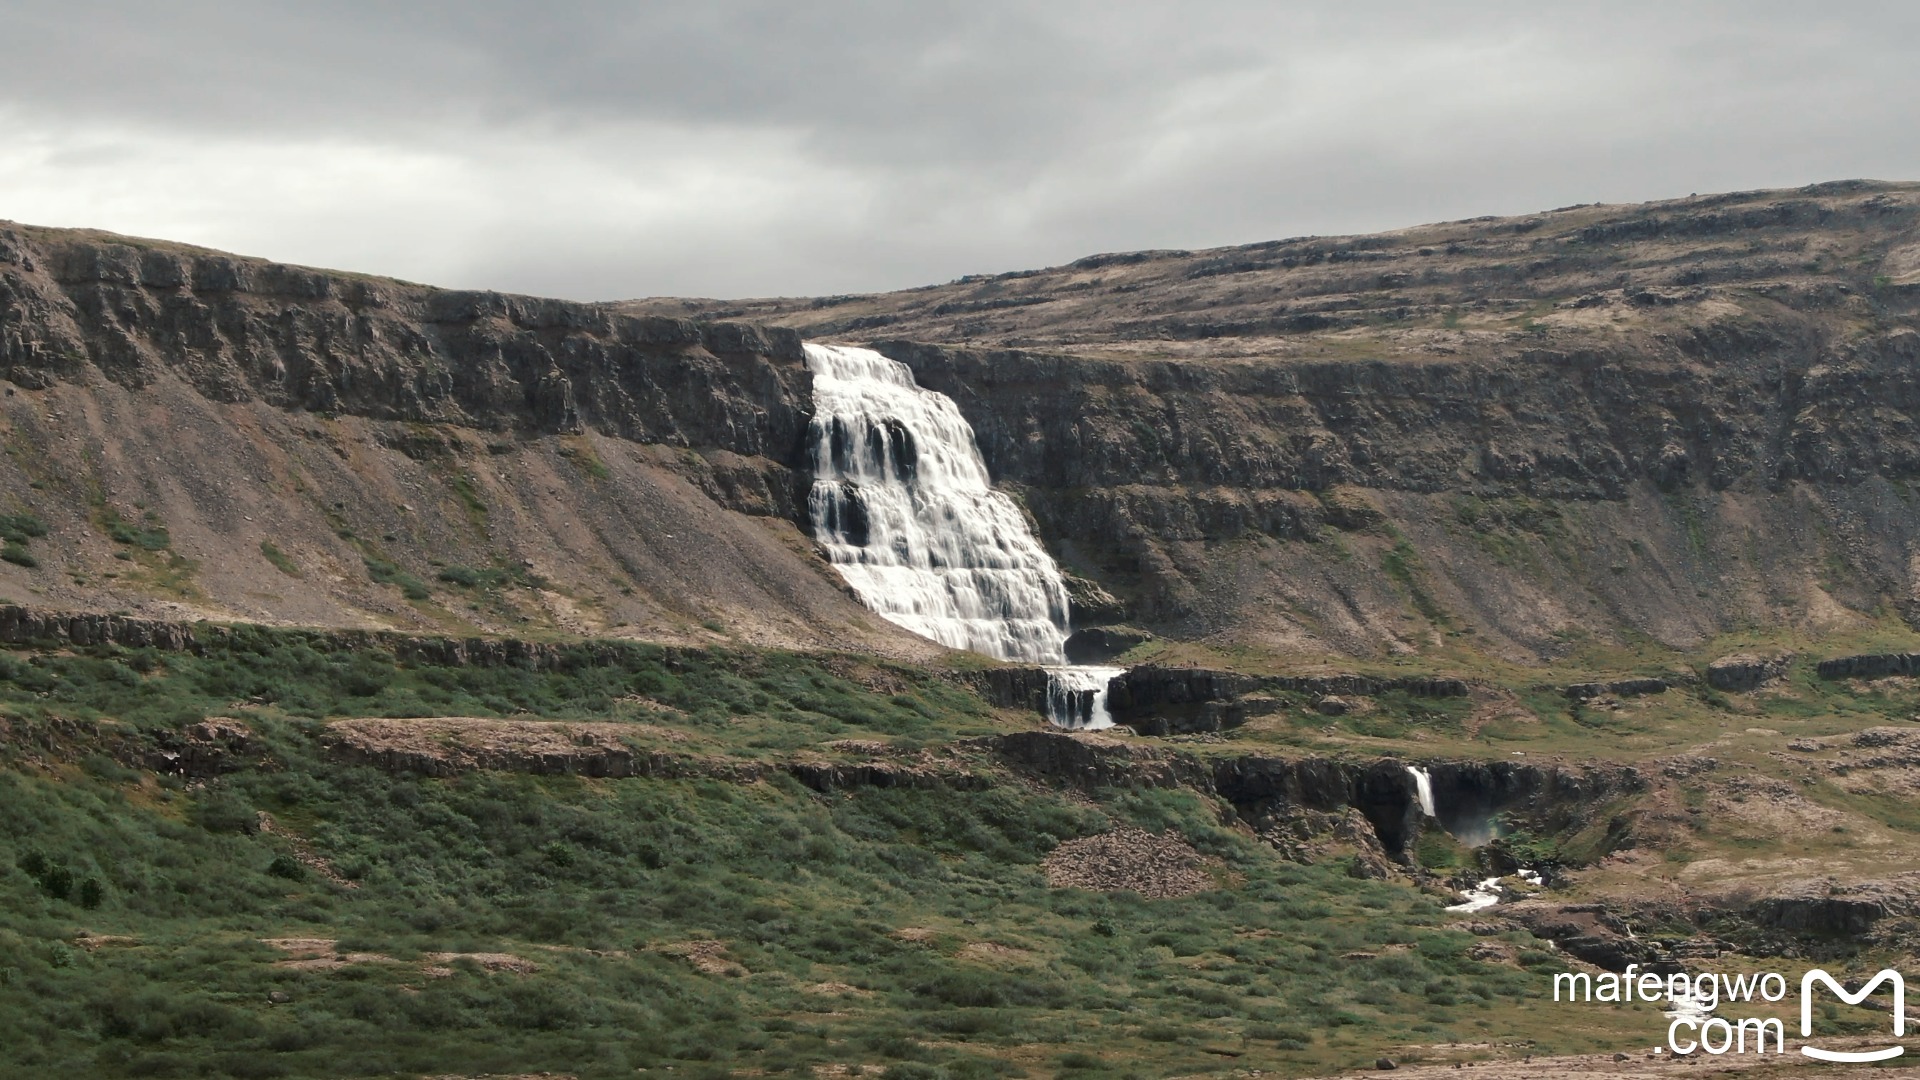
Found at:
<point>730,148</point>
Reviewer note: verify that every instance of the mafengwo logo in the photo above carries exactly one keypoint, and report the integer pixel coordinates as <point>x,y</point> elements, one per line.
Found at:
<point>1692,1001</point>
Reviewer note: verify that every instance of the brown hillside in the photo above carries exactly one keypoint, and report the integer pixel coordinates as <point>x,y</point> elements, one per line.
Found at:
<point>1496,439</point>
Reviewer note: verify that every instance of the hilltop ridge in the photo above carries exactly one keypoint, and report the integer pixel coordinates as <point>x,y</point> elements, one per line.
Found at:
<point>1495,441</point>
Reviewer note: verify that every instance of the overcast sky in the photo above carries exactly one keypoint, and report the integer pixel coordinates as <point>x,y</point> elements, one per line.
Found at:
<point>724,148</point>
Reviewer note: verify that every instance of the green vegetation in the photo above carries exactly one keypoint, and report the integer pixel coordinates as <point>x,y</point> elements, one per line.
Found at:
<point>581,455</point>
<point>489,577</point>
<point>149,545</point>
<point>702,924</point>
<point>148,534</point>
<point>1402,564</point>
<point>16,532</point>
<point>699,924</point>
<point>281,560</point>
<point>746,701</point>
<point>1435,849</point>
<point>468,492</point>
<point>387,573</point>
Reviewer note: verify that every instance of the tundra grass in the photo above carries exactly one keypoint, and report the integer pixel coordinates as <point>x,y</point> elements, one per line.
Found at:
<point>494,923</point>
<point>694,924</point>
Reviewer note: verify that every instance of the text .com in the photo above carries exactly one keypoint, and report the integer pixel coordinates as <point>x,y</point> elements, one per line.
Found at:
<point>1693,999</point>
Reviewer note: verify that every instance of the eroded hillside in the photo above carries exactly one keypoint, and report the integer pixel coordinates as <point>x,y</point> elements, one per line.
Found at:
<point>199,435</point>
<point>1494,441</point>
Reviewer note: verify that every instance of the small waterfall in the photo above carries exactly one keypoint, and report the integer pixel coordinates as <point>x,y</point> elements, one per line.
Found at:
<point>1077,697</point>
<point>903,506</point>
<point>1423,789</point>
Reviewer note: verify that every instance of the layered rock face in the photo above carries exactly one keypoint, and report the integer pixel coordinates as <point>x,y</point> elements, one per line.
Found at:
<point>1511,436</point>
<point>200,435</point>
<point>1660,421</point>
<point>1753,458</point>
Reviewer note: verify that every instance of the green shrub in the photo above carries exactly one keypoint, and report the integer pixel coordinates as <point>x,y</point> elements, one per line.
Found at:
<point>19,528</point>
<point>387,573</point>
<point>15,531</point>
<point>147,536</point>
<point>288,867</point>
<point>281,560</point>
<point>223,811</point>
<point>475,577</point>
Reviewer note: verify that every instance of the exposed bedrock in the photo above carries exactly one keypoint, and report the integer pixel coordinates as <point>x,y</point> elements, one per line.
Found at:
<point>1523,494</point>
<point>1746,671</point>
<point>1155,700</point>
<point>1469,795</point>
<point>1100,644</point>
<point>1869,666</point>
<point>241,329</point>
<point>1622,687</point>
<point>1667,458</point>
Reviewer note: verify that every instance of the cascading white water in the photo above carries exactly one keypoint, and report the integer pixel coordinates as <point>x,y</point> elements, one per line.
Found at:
<point>1488,892</point>
<point>903,506</point>
<point>1077,696</point>
<point>1423,789</point>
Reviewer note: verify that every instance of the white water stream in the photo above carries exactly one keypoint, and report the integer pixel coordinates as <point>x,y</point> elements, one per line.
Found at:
<point>902,503</point>
<point>1489,892</point>
<point>1077,696</point>
<point>1423,789</point>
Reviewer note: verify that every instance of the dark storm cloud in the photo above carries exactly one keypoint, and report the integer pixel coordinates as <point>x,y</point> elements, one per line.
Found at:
<point>599,150</point>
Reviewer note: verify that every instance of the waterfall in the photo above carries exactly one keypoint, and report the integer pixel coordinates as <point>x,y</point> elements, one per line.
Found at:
<point>1077,696</point>
<point>1423,789</point>
<point>903,506</point>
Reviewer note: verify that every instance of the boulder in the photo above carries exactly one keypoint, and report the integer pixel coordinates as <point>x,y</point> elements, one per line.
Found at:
<point>1087,602</point>
<point>1746,671</point>
<point>1099,644</point>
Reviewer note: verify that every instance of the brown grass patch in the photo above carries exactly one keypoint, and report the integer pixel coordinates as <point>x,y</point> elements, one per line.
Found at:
<point>838,989</point>
<point>992,952</point>
<point>488,961</point>
<point>707,957</point>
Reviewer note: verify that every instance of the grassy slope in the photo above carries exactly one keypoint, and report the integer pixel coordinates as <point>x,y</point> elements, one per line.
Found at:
<point>602,884</point>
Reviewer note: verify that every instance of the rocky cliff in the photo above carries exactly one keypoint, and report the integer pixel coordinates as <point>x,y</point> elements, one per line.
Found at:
<point>191,434</point>
<point>1502,438</point>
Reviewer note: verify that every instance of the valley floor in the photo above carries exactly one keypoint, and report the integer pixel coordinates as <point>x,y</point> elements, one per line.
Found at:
<point>282,853</point>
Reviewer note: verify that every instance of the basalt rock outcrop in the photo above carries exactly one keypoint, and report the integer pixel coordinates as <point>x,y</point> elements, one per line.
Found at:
<point>1268,791</point>
<point>39,627</point>
<point>1869,666</point>
<point>1157,700</point>
<point>1667,421</point>
<point>1746,671</point>
<point>240,329</point>
<point>1591,932</point>
<point>313,448</point>
<point>1620,687</point>
<point>1101,644</point>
